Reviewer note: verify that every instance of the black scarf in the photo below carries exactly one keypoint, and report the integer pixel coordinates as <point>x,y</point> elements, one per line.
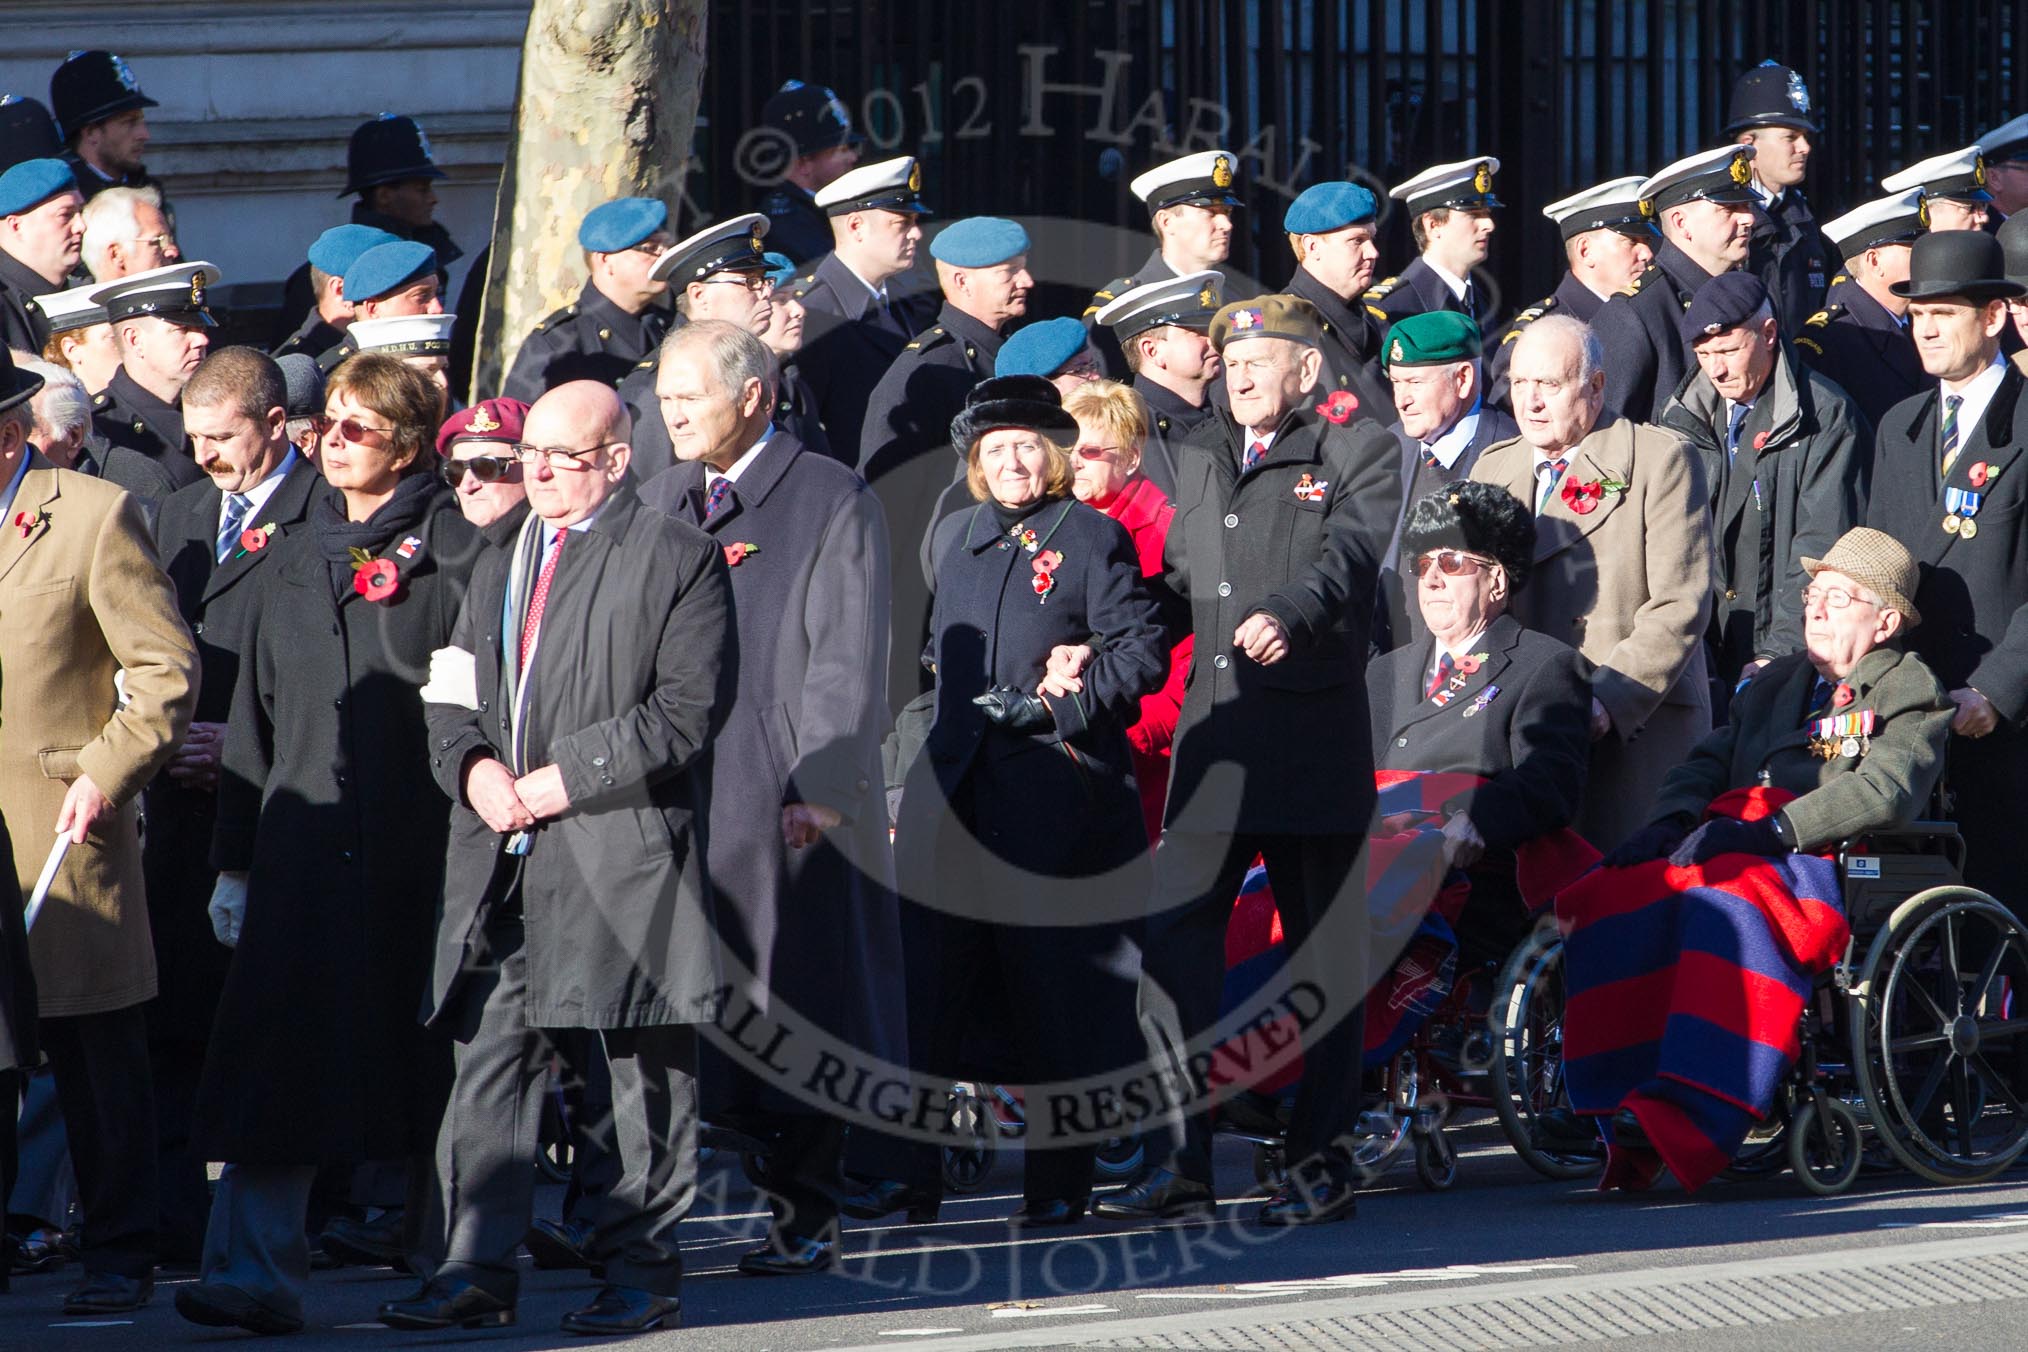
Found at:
<point>337,537</point>
<point>1010,517</point>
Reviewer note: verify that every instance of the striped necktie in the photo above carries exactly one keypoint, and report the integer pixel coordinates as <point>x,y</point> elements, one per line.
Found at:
<point>721,489</point>
<point>1949,433</point>
<point>1254,451</point>
<point>237,505</point>
<point>1555,468</point>
<point>1444,667</point>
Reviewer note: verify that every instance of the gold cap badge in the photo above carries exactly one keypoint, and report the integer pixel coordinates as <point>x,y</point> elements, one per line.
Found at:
<point>1978,171</point>
<point>483,420</point>
<point>1482,181</point>
<point>1394,353</point>
<point>914,177</point>
<point>1740,173</point>
<point>1221,172</point>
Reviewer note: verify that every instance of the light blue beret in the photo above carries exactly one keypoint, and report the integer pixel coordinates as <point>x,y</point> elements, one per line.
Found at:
<point>1328,207</point>
<point>388,267</point>
<point>1040,348</point>
<point>339,247</point>
<point>781,267</point>
<point>979,242</point>
<point>621,224</point>
<point>31,183</point>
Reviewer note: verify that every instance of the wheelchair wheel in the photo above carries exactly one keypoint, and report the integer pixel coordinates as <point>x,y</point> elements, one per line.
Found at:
<point>1436,1160</point>
<point>966,1166</point>
<point>1935,1045</point>
<point>1120,1158</point>
<point>1824,1145</point>
<point>1526,1023</point>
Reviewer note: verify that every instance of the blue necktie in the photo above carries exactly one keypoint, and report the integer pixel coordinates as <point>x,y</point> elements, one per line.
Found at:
<point>1739,412</point>
<point>237,505</point>
<point>721,489</point>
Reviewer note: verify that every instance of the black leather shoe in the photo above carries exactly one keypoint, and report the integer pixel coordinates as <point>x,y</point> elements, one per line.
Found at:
<point>447,1302</point>
<point>219,1306</point>
<point>887,1197</point>
<point>1560,1131</point>
<point>790,1256</point>
<point>1157,1196</point>
<point>109,1293</point>
<point>374,1243</point>
<point>560,1244</point>
<point>1046,1212</point>
<point>1313,1201</point>
<point>1628,1131</point>
<point>40,1250</point>
<point>624,1309</point>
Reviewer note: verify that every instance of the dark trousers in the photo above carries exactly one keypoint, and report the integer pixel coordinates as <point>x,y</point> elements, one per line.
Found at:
<point>585,1084</point>
<point>107,1091</point>
<point>492,1129</point>
<point>1197,879</point>
<point>805,1149</point>
<point>185,1186</point>
<point>12,1083</point>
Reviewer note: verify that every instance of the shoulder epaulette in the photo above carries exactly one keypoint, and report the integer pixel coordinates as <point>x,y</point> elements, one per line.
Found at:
<point>1809,343</point>
<point>1527,317</point>
<point>556,317</point>
<point>1821,317</point>
<point>1379,290</point>
<point>1634,287</point>
<point>1377,313</point>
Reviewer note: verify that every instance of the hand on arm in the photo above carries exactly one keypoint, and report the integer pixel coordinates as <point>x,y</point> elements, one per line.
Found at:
<point>491,791</point>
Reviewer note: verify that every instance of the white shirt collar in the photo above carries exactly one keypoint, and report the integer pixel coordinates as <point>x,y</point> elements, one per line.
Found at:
<point>13,489</point>
<point>1448,447</point>
<point>1437,651</point>
<point>1450,279</point>
<point>738,467</point>
<point>1769,198</point>
<point>1263,439</point>
<point>1976,393</point>
<point>549,532</point>
<point>257,496</point>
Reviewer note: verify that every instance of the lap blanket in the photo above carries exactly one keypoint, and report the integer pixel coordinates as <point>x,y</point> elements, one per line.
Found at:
<point>1412,905</point>
<point>1685,993</point>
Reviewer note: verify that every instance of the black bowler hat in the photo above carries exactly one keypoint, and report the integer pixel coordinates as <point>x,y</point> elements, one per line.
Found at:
<point>1968,263</point>
<point>387,150</point>
<point>1770,95</point>
<point>812,116</point>
<point>27,132</point>
<point>91,87</point>
<point>1012,401</point>
<point>16,385</point>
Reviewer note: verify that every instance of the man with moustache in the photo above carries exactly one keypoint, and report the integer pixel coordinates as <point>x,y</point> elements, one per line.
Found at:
<point>164,330</point>
<point>618,319</point>
<point>41,239</point>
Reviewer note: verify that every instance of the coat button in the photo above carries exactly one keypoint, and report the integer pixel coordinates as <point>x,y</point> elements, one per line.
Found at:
<point>444,744</point>
<point>338,703</point>
<point>599,761</point>
<point>1220,662</point>
<point>1401,741</point>
<point>1731,595</point>
<point>1231,520</point>
<point>1225,589</point>
<point>346,855</point>
<point>1005,545</point>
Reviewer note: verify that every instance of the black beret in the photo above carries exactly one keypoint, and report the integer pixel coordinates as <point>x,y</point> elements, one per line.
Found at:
<point>1012,401</point>
<point>1478,518</point>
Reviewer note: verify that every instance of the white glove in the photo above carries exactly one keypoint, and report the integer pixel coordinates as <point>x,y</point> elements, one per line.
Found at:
<point>228,908</point>
<point>453,679</point>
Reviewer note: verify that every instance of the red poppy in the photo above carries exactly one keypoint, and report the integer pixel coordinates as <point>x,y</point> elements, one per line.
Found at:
<point>253,539</point>
<point>376,581</point>
<point>735,555</point>
<point>1582,497</point>
<point>1979,473</point>
<point>1841,696</point>
<point>1048,561</point>
<point>27,522</point>
<point>1759,440</point>
<point>1468,665</point>
<point>1043,583</point>
<point>1339,406</point>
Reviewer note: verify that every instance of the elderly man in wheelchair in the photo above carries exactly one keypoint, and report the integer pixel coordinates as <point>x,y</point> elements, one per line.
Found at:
<point>1691,953</point>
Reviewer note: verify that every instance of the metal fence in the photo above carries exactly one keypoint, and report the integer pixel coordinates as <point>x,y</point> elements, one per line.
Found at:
<point>1049,108</point>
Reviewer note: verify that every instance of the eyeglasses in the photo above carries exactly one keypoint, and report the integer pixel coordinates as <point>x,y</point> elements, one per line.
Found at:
<point>349,429</point>
<point>759,286</point>
<point>487,469</point>
<point>164,241</point>
<point>654,247</point>
<point>1453,563</point>
<point>559,457</point>
<point>1084,368</point>
<point>1835,598</point>
<point>1086,452</point>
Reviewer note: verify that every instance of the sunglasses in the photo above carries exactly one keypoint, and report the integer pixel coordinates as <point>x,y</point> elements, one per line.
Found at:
<point>351,429</point>
<point>487,469</point>
<point>1452,563</point>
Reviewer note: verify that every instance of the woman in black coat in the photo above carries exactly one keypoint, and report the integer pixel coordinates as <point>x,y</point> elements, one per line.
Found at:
<point>1024,790</point>
<point>330,840</point>
<point>1483,697</point>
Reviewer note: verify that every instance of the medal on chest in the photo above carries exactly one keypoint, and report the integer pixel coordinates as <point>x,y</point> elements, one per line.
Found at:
<point>1962,505</point>
<point>1845,735</point>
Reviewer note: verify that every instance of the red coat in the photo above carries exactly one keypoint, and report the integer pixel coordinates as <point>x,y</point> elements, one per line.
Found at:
<point>1146,514</point>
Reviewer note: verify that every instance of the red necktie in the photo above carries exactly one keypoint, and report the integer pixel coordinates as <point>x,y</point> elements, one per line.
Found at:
<point>1444,668</point>
<point>540,598</point>
<point>1254,452</point>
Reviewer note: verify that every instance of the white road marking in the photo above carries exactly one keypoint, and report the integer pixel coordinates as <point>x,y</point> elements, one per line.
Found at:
<point>1018,1312</point>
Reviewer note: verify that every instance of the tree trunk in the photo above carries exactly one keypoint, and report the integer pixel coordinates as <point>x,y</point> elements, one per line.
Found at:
<point>606,108</point>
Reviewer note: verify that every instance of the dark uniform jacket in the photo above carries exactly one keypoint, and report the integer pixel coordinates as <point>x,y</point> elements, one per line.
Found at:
<point>589,339</point>
<point>1847,785</point>
<point>1645,356</point>
<point>797,226</point>
<point>216,599</point>
<point>144,478</point>
<point>1352,334</point>
<point>1396,620</point>
<point>1867,351</point>
<point>1973,596</point>
<point>1103,340</point>
<point>299,300</point>
<point>795,413</point>
<point>313,337</point>
<point>849,341</point>
<point>22,326</point>
<point>127,415</point>
<point>633,672</point>
<point>816,927</point>
<point>1797,483</point>
<point>326,798</point>
<point>1419,290</point>
<point>1284,748</point>
<point>1571,297</point>
<point>1171,421</point>
<point>1522,721</point>
<point>90,182</point>
<point>1792,259</point>
<point>905,452</point>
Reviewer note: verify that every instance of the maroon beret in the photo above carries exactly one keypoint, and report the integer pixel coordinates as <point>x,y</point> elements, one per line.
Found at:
<point>487,420</point>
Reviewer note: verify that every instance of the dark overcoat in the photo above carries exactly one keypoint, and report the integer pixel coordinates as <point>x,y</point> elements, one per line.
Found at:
<point>1973,596</point>
<point>815,927</point>
<point>217,601</point>
<point>1396,620</point>
<point>1352,336</point>
<point>23,326</point>
<point>1283,748</point>
<point>589,339</point>
<point>849,342</point>
<point>1170,420</point>
<point>326,799</point>
<point>1645,355</point>
<point>1862,349</point>
<point>631,677</point>
<point>1792,258</point>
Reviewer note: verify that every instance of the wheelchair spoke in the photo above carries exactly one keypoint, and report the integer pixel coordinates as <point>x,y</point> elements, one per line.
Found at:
<point>1936,1011</point>
<point>1991,969</point>
<point>1961,1102</point>
<point>1997,1081</point>
<point>1909,1044</point>
<point>1931,1082</point>
<point>1951,955</point>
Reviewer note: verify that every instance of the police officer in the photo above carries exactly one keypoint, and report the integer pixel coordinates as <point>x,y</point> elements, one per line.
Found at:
<point>100,109</point>
<point>1953,188</point>
<point>1331,232</point>
<point>385,282</point>
<point>334,251</point>
<point>857,325</point>
<point>1190,202</point>
<point>1771,112</point>
<point>164,330</point>
<point>1705,212</point>
<point>815,129</point>
<point>1608,240</point>
<point>1163,330</point>
<point>27,132</point>
<point>41,240</point>
<point>1450,214</point>
<point>620,316</point>
<point>1860,338</point>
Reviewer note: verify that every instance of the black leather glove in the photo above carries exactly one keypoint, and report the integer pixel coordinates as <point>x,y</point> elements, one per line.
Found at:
<point>1650,842</point>
<point>1015,710</point>
<point>1725,835</point>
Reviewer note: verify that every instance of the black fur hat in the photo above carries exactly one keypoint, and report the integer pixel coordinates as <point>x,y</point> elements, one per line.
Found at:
<point>1480,518</point>
<point>1012,401</point>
